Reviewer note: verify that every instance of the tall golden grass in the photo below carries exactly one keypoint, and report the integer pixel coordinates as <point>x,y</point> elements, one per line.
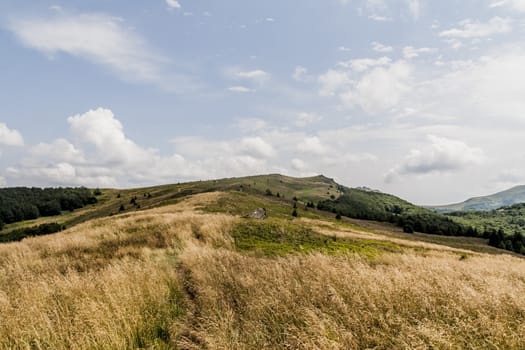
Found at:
<point>171,278</point>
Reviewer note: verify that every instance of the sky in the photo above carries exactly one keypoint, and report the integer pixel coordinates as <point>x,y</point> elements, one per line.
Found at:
<point>422,99</point>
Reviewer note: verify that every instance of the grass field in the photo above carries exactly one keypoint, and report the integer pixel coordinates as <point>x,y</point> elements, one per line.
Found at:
<point>196,275</point>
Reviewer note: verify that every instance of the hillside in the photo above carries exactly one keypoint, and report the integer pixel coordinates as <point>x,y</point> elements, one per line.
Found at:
<point>194,274</point>
<point>114,201</point>
<point>508,197</point>
<point>312,192</point>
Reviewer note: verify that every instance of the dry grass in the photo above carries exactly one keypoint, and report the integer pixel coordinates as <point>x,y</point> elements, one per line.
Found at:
<point>172,278</point>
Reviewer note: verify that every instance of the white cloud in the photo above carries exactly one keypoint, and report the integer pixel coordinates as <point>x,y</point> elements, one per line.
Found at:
<point>414,8</point>
<point>241,89</point>
<point>251,124</point>
<point>257,75</point>
<point>378,18</point>
<point>3,182</point>
<point>10,137</point>
<point>60,150</point>
<point>376,4</point>
<point>332,81</point>
<point>303,119</point>
<point>380,89</point>
<point>518,5</point>
<point>312,145</point>
<point>381,48</point>
<point>469,29</point>
<point>412,52</point>
<point>173,4</point>
<point>99,38</point>
<point>442,155</point>
<point>298,164</point>
<point>300,74</point>
<point>363,64</point>
<point>101,129</point>
<point>256,147</point>
<point>344,49</point>
<point>476,91</point>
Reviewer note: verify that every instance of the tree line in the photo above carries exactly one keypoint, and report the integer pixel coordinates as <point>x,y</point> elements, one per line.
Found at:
<point>23,203</point>
<point>369,205</point>
<point>21,233</point>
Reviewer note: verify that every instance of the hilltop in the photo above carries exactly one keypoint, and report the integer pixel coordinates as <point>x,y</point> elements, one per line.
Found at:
<point>508,197</point>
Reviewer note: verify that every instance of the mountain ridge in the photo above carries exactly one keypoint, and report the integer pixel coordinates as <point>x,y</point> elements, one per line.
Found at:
<point>511,196</point>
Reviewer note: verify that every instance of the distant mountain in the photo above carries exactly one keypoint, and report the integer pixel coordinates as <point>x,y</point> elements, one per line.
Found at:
<point>511,196</point>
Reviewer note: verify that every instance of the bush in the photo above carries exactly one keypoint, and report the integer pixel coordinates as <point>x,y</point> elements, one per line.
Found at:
<point>408,228</point>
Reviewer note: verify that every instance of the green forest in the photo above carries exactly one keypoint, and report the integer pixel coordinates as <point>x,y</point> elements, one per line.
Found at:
<point>369,205</point>
<point>23,203</point>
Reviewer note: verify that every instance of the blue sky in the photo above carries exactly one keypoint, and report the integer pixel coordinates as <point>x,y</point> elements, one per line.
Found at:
<point>419,98</point>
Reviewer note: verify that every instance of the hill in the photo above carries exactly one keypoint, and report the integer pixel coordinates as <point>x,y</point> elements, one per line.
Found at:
<point>116,201</point>
<point>195,274</point>
<point>312,192</point>
<point>508,197</point>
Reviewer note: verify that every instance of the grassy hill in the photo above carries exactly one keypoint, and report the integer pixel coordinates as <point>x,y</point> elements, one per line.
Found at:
<point>311,192</point>
<point>505,198</point>
<point>192,273</point>
<point>115,201</point>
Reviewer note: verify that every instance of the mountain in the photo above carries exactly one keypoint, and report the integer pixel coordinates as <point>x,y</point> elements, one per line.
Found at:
<point>508,197</point>
<point>318,192</point>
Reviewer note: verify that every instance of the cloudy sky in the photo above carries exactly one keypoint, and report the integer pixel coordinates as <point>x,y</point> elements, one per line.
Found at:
<point>423,99</point>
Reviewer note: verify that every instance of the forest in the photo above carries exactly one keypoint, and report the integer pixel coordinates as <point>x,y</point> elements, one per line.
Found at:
<point>23,203</point>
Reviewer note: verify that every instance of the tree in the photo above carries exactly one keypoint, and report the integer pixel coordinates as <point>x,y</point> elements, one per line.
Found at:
<point>268,192</point>
<point>294,213</point>
<point>122,207</point>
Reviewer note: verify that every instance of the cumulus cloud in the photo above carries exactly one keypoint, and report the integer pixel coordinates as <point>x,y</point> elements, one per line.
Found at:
<point>414,8</point>
<point>312,145</point>
<point>374,85</point>
<point>300,74</point>
<point>380,89</point>
<point>378,47</point>
<point>256,147</point>
<point>173,4</point>
<point>101,129</point>
<point>251,124</point>
<point>298,164</point>
<point>303,119</point>
<point>469,29</point>
<point>332,81</point>
<point>58,150</point>
<point>442,155</point>
<point>412,52</point>
<point>518,5</point>
<point>476,91</point>
<point>99,38</point>
<point>10,137</point>
<point>363,64</point>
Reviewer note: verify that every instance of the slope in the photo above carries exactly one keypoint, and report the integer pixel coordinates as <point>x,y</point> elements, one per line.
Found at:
<point>195,275</point>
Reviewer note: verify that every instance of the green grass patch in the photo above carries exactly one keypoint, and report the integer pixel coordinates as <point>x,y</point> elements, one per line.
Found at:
<point>240,203</point>
<point>278,237</point>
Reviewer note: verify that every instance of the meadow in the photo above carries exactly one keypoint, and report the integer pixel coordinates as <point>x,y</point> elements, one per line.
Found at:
<point>191,276</point>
